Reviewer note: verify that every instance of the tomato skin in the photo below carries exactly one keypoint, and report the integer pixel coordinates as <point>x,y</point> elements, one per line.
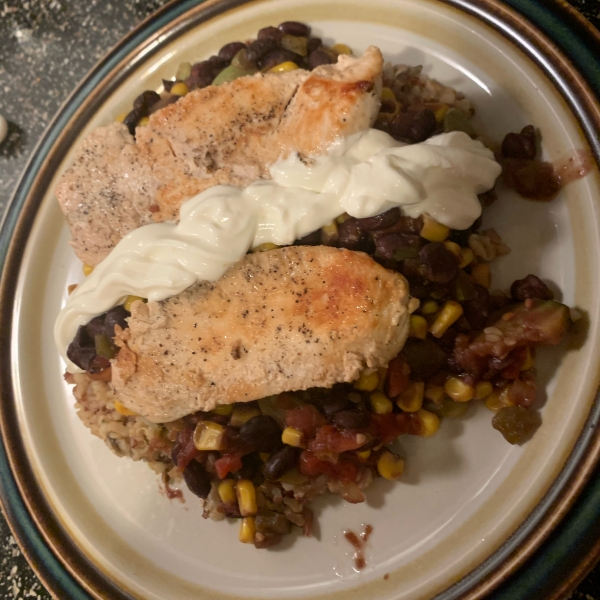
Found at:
<point>345,469</point>
<point>306,419</point>
<point>230,462</point>
<point>388,427</point>
<point>331,439</point>
<point>397,377</point>
<point>184,450</point>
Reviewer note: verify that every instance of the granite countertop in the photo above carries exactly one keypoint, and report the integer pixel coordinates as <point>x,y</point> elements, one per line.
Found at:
<point>46,47</point>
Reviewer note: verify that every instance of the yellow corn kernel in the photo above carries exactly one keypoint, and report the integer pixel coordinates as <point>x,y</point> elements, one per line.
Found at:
<point>412,399</point>
<point>440,113</point>
<point>367,382</point>
<point>380,403</point>
<point>341,49</point>
<point>449,314</point>
<point>435,393</point>
<point>429,422</point>
<point>467,257</point>
<point>143,121</point>
<point>226,491</point>
<point>430,307</point>
<point>121,118</point>
<point>264,247</point>
<point>242,414</point>
<point>529,360</point>
<point>223,409</point>
<point>293,477</point>
<point>482,274</point>
<point>247,530</point>
<point>434,231</point>
<point>264,456</point>
<point>284,67</point>
<point>87,269</point>
<point>498,399</point>
<point>292,437</point>
<point>417,327</point>
<point>390,466</point>
<point>482,390</point>
<point>387,94</point>
<point>364,454</point>
<point>129,301</point>
<point>208,436</point>
<point>179,89</point>
<point>454,248</point>
<point>342,218</point>
<point>122,410</point>
<point>329,233</point>
<point>458,390</point>
<point>246,495</point>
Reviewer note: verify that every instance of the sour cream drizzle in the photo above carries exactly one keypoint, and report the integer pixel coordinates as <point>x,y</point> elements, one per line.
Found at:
<point>364,175</point>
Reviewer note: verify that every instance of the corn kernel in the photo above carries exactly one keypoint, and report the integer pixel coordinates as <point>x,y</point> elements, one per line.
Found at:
<point>367,382</point>
<point>440,113</point>
<point>417,327</point>
<point>208,436</point>
<point>292,437</point>
<point>412,399</point>
<point>380,403</point>
<point>390,466</point>
<point>87,269</point>
<point>121,118</point>
<point>454,248</point>
<point>123,410</point>
<point>482,274</point>
<point>467,257</point>
<point>329,233</point>
<point>364,454</point>
<point>387,94</point>
<point>429,422</point>
<point>226,491</point>
<point>483,389</point>
<point>458,390</point>
<point>342,218</point>
<point>529,360</point>
<point>341,49</point>
<point>223,409</point>
<point>284,67</point>
<point>449,314</point>
<point>246,495</point>
<point>498,399</point>
<point>143,121</point>
<point>264,247</point>
<point>247,530</point>
<point>264,456</point>
<point>430,307</point>
<point>293,477</point>
<point>179,89</point>
<point>129,302</point>
<point>242,414</point>
<point>434,231</point>
<point>435,393</point>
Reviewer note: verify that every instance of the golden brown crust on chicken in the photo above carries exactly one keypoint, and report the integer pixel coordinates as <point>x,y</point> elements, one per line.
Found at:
<point>287,319</point>
<point>228,134</point>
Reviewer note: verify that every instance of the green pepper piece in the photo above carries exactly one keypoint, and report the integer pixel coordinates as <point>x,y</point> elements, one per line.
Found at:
<point>104,346</point>
<point>457,120</point>
<point>228,74</point>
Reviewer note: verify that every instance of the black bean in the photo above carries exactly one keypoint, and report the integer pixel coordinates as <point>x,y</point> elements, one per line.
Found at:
<point>98,363</point>
<point>352,419</point>
<point>460,236</point>
<point>261,433</point>
<point>530,287</point>
<point>477,309</point>
<point>404,225</point>
<point>95,326</point>
<point>336,400</point>
<point>278,56</point>
<point>398,246</point>
<point>251,465</point>
<point>531,179</point>
<point>270,32</point>
<point>520,145</point>
<point>115,316</point>
<point>168,84</point>
<point>312,44</point>
<point>312,239</point>
<point>295,28</point>
<point>203,73</point>
<point>386,219</point>
<point>197,479</point>
<point>350,235</point>
<point>81,350</point>
<point>281,462</point>
<point>422,126</point>
<point>146,99</point>
<point>228,51</point>
<point>133,118</point>
<point>320,57</point>
<point>424,357</point>
<point>439,264</point>
<point>258,48</point>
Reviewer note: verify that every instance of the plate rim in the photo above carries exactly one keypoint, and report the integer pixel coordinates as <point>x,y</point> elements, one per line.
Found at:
<point>18,496</point>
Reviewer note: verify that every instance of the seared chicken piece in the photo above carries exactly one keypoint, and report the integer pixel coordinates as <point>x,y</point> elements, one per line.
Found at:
<point>227,134</point>
<point>287,319</point>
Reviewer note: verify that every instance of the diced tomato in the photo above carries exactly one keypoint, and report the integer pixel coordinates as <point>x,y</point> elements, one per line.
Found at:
<point>228,463</point>
<point>331,439</point>
<point>389,426</point>
<point>345,469</point>
<point>184,450</point>
<point>397,377</point>
<point>523,393</point>
<point>306,419</point>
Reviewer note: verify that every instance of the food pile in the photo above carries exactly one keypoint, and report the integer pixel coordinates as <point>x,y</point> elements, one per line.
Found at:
<point>264,461</point>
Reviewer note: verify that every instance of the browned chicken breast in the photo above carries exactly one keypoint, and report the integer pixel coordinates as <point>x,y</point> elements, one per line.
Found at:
<point>287,319</point>
<point>226,134</point>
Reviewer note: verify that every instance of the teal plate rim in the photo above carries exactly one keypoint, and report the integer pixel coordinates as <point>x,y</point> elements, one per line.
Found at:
<point>571,548</point>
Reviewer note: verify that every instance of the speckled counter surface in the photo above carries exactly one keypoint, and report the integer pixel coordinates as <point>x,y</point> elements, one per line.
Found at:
<point>46,47</point>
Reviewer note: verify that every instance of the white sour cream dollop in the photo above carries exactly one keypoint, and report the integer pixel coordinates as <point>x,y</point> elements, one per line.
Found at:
<point>364,175</point>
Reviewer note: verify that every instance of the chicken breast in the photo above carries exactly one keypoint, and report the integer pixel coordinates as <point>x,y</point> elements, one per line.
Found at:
<point>226,134</point>
<point>287,319</point>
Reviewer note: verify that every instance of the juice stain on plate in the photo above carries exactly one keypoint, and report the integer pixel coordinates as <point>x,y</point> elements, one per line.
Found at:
<point>359,543</point>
